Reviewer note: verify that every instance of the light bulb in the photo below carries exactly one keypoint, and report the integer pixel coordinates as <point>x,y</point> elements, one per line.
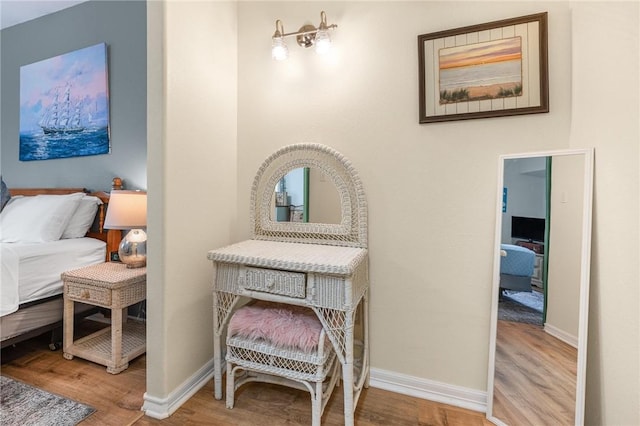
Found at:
<point>279,49</point>
<point>323,42</point>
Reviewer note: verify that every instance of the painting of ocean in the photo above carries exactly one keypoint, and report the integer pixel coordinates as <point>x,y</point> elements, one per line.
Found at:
<point>486,70</point>
<point>64,106</point>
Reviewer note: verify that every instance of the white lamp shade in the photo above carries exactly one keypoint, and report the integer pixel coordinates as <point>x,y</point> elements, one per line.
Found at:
<point>126,210</point>
<point>323,42</point>
<point>279,49</point>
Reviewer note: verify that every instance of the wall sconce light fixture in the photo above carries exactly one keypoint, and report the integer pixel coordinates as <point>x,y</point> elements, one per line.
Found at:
<point>306,36</point>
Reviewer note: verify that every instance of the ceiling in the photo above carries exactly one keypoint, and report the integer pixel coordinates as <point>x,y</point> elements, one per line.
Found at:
<point>14,12</point>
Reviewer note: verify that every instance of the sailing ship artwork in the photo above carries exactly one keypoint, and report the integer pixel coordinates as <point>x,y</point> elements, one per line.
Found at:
<point>64,106</point>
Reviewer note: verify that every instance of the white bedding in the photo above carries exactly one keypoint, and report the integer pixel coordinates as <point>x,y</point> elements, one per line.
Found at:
<point>31,271</point>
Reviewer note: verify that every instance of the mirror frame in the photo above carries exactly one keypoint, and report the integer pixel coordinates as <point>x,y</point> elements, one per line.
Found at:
<point>352,229</point>
<point>584,276</point>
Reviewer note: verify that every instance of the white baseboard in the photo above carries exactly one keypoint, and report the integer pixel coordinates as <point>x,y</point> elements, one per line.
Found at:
<point>161,408</point>
<point>428,389</point>
<point>569,339</point>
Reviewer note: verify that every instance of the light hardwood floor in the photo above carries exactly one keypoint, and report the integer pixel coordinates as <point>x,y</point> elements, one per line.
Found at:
<point>535,382</point>
<point>118,398</point>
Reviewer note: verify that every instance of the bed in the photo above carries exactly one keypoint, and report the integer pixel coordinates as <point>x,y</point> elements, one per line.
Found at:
<point>516,267</point>
<point>44,232</point>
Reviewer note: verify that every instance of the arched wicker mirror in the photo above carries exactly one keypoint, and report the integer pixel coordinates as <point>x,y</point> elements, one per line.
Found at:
<point>352,229</point>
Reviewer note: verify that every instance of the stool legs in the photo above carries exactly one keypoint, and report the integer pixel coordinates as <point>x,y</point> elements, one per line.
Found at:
<point>312,368</point>
<point>230,385</point>
<point>316,389</point>
<point>316,405</point>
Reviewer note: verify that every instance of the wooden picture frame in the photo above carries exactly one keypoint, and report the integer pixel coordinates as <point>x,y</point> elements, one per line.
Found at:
<point>494,69</point>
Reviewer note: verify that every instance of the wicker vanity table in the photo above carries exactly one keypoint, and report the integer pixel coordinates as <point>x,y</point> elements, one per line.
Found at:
<point>321,266</point>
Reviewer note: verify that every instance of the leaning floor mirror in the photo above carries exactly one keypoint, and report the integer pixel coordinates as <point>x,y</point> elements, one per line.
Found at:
<point>540,295</point>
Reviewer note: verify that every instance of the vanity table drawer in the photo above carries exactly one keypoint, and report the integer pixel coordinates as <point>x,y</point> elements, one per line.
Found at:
<point>292,284</point>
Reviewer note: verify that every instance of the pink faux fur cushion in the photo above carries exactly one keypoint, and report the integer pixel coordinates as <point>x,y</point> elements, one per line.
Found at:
<point>280,324</point>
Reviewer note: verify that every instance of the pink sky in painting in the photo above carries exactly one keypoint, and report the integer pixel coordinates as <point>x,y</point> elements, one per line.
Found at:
<point>45,76</point>
<point>481,53</point>
<point>84,70</point>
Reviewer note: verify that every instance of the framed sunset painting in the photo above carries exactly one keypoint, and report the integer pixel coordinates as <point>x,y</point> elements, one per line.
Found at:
<point>488,70</point>
<point>64,106</point>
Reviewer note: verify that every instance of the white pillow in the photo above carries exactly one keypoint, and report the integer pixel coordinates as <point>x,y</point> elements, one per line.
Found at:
<point>37,219</point>
<point>82,219</point>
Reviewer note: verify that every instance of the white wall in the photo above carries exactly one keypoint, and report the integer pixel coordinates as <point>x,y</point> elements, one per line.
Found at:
<point>324,201</point>
<point>430,187</point>
<point>192,185</point>
<point>565,245</point>
<point>605,90</point>
<point>294,185</point>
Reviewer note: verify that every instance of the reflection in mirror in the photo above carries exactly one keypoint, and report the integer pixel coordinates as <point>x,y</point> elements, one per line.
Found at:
<point>291,197</point>
<point>540,294</point>
<point>324,200</point>
<point>305,194</point>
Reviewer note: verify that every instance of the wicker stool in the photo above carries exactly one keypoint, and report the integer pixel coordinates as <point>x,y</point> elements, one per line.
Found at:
<point>256,353</point>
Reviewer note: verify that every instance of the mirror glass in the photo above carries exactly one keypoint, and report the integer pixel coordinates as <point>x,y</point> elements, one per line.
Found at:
<point>305,194</point>
<point>540,292</point>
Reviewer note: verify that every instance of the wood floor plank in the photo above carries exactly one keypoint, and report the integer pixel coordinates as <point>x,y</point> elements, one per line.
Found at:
<point>437,414</point>
<point>535,379</point>
<point>118,398</point>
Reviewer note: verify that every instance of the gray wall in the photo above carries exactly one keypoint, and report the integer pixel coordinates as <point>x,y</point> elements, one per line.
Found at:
<point>122,26</point>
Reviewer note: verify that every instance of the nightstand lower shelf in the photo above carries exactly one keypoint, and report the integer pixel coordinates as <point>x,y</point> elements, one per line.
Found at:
<point>97,347</point>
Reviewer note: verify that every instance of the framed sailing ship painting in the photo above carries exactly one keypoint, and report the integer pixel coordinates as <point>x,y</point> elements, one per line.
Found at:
<point>64,106</point>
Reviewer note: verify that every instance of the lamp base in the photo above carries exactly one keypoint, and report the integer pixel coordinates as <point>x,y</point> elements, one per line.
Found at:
<point>133,249</point>
<point>140,264</point>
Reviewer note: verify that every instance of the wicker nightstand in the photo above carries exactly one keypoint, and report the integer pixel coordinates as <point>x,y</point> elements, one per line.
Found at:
<point>109,285</point>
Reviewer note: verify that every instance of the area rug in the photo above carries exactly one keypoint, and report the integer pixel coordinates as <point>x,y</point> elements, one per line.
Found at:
<point>533,299</point>
<point>512,309</point>
<point>25,405</point>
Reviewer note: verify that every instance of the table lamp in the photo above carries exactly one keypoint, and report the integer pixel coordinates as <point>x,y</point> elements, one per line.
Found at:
<point>128,210</point>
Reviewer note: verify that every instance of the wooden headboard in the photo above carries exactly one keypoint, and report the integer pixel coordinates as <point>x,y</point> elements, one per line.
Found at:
<point>110,236</point>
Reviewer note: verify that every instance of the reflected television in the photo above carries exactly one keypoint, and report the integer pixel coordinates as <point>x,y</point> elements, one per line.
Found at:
<point>527,228</point>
